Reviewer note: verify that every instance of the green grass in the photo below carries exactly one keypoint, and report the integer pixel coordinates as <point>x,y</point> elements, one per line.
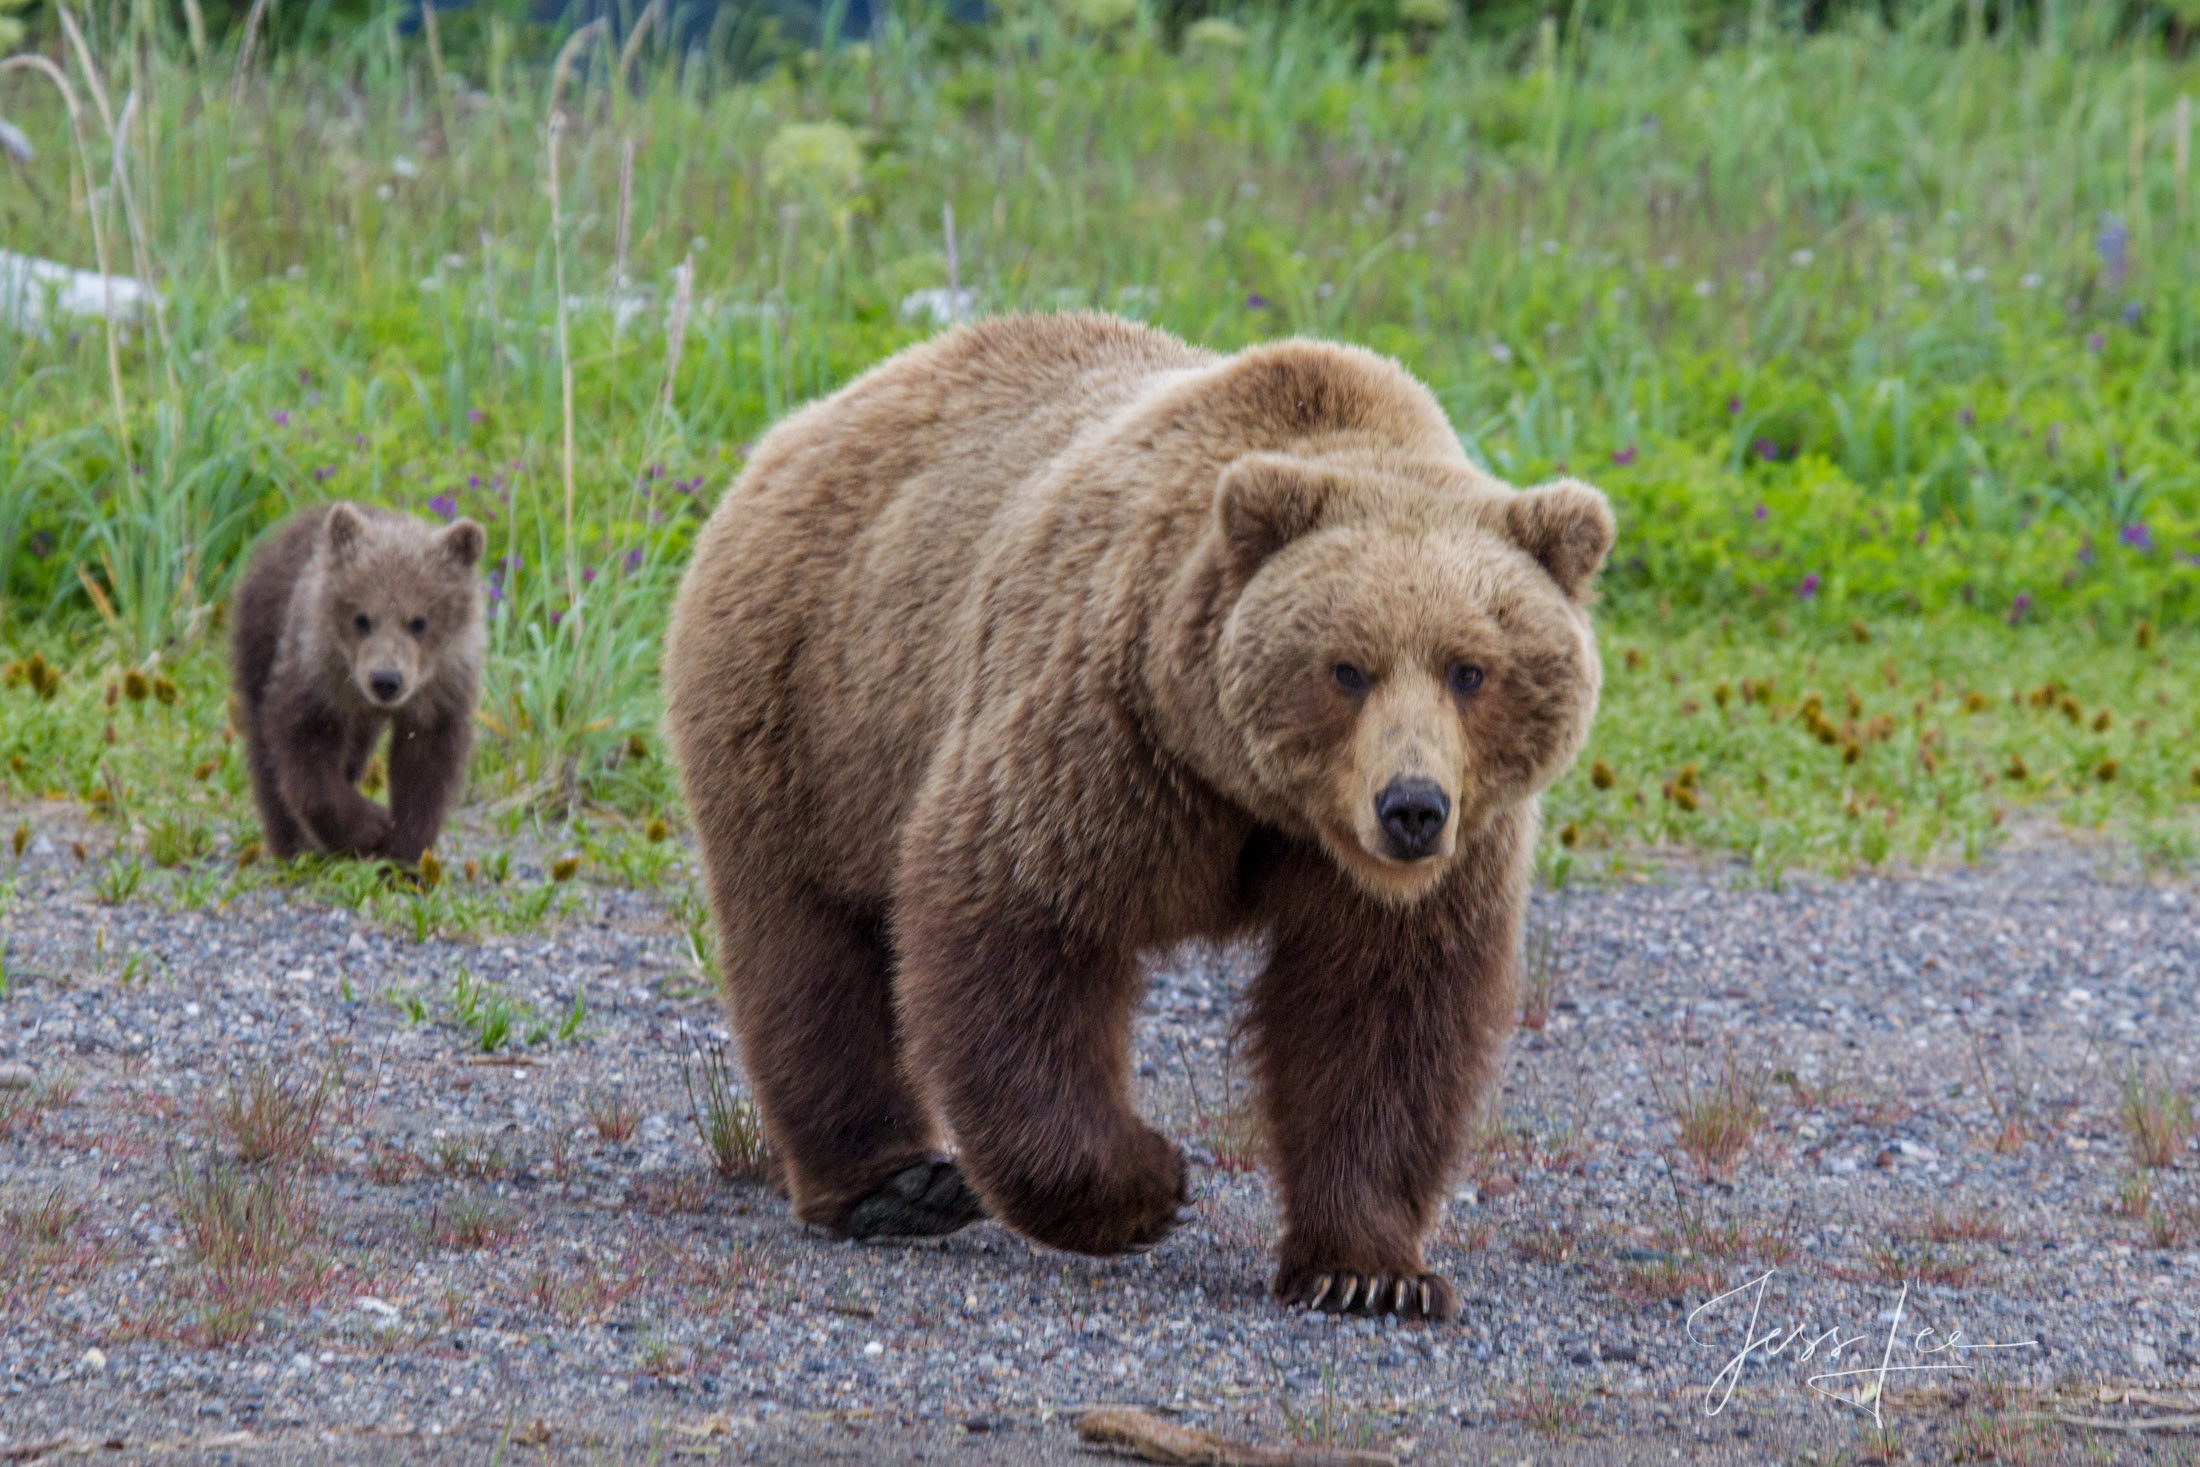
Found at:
<point>1872,327</point>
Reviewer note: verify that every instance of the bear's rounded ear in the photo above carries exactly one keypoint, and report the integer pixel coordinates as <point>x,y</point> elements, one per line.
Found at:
<point>463,541</point>
<point>1567,526</point>
<point>344,530</point>
<point>1263,502</point>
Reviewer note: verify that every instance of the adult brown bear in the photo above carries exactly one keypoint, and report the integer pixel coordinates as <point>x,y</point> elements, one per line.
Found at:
<point>1054,642</point>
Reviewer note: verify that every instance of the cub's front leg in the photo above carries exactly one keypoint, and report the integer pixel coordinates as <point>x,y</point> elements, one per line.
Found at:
<point>1376,1032</point>
<point>308,751</point>
<point>427,764</point>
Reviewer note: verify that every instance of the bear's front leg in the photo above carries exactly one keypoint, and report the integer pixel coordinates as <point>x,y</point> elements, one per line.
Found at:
<point>309,760</point>
<point>1376,1031</point>
<point>1019,1029</point>
<point>427,761</point>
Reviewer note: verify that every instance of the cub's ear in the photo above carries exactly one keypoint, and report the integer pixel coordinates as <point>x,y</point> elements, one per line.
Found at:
<point>1263,502</point>
<point>344,530</point>
<point>463,542</point>
<point>1565,525</point>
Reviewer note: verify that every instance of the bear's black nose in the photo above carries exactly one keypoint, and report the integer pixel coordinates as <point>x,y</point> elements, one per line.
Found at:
<point>387,685</point>
<point>1412,812</point>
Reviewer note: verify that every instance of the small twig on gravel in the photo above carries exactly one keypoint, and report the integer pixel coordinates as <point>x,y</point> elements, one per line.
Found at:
<point>2154,1423</point>
<point>1151,1439</point>
<point>31,1451</point>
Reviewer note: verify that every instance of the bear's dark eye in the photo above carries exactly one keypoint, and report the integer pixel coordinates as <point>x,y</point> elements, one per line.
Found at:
<point>1351,678</point>
<point>362,622</point>
<point>417,625</point>
<point>1463,678</point>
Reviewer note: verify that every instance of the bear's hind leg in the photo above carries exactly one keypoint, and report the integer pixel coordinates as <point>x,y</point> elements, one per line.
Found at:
<point>811,986</point>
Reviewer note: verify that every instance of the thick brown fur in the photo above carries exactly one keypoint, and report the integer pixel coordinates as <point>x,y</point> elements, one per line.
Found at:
<point>339,598</point>
<point>1025,655</point>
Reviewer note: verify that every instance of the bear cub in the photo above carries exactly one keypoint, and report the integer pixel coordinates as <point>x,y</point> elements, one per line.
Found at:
<point>351,620</point>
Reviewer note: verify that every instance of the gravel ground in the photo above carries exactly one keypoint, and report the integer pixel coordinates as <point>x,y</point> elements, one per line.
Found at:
<point>1935,1063</point>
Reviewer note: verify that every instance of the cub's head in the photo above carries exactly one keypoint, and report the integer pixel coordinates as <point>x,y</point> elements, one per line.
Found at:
<point>398,599</point>
<point>1408,652</point>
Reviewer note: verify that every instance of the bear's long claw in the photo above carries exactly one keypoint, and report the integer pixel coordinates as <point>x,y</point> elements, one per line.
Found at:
<point>1321,1292</point>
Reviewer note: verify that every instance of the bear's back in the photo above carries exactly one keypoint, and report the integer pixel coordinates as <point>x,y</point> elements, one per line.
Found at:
<point>814,650</point>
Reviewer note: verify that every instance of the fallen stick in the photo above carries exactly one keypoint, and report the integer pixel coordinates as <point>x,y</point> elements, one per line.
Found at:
<point>1151,1439</point>
<point>2151,1423</point>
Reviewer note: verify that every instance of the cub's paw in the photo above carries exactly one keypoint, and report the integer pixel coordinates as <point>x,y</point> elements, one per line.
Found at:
<point>370,833</point>
<point>1345,1291</point>
<point>922,1201</point>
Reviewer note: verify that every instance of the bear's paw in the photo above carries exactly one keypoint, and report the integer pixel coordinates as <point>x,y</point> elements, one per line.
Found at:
<point>922,1201</point>
<point>1348,1291</point>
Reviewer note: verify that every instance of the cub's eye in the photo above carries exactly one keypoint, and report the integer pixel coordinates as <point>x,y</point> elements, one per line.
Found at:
<point>362,622</point>
<point>1463,678</point>
<point>417,625</point>
<point>1351,678</point>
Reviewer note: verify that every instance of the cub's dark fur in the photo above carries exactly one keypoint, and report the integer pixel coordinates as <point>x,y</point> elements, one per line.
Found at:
<point>351,620</point>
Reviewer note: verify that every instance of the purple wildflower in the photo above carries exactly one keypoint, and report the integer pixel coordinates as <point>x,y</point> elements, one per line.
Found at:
<point>1733,407</point>
<point>2018,606</point>
<point>1921,535</point>
<point>588,574</point>
<point>473,481</point>
<point>2112,243</point>
<point>2138,536</point>
<point>1765,449</point>
<point>1808,588</point>
<point>2094,341</point>
<point>473,415</point>
<point>282,418</point>
<point>325,472</point>
<point>2132,312</point>
<point>1762,514</point>
<point>556,617</point>
<point>1967,418</point>
<point>1624,456</point>
<point>1256,302</point>
<point>443,507</point>
<point>634,560</point>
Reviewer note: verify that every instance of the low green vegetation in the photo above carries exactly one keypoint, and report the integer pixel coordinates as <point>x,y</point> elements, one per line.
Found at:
<point>1881,339</point>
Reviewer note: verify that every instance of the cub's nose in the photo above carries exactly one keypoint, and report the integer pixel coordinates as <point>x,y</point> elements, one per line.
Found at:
<point>386,685</point>
<point>1412,813</point>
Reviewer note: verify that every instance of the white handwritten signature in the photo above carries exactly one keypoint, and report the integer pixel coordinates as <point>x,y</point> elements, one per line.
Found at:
<point>1863,1386</point>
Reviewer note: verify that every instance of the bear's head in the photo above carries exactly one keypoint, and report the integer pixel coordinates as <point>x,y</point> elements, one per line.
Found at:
<point>1408,651</point>
<point>396,598</point>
